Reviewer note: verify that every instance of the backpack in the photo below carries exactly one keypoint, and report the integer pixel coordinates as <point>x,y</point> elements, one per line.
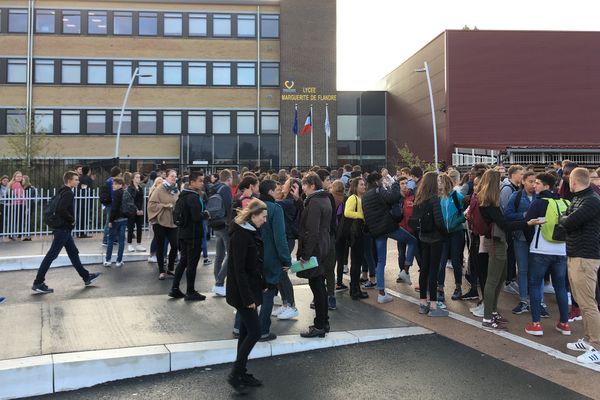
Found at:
<point>395,210</point>
<point>128,208</point>
<point>421,219</point>
<point>551,230</point>
<point>477,223</point>
<point>180,213</point>
<point>216,208</point>
<point>53,220</point>
<point>104,195</point>
<point>455,220</point>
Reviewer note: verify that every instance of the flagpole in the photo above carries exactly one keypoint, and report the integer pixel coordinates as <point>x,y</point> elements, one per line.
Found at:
<point>296,134</point>
<point>326,136</point>
<point>312,123</point>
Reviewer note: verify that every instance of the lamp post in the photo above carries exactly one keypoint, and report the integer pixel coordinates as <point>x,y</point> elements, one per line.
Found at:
<point>135,74</point>
<point>435,147</point>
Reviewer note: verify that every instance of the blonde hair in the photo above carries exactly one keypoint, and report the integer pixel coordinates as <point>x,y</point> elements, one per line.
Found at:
<point>581,175</point>
<point>446,185</point>
<point>255,207</point>
<point>455,176</point>
<point>157,182</point>
<point>488,194</point>
<point>337,186</point>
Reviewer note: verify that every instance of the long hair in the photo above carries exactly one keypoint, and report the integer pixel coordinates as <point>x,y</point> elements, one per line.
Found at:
<point>446,185</point>
<point>255,207</point>
<point>157,182</point>
<point>353,190</point>
<point>14,179</point>
<point>489,189</point>
<point>428,188</point>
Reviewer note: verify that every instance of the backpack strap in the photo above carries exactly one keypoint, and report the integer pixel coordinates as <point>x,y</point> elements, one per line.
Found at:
<point>518,199</point>
<point>455,200</point>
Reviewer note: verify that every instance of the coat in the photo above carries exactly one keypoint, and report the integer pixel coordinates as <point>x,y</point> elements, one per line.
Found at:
<point>194,206</point>
<point>314,239</point>
<point>160,207</point>
<point>276,251</point>
<point>582,223</point>
<point>376,205</point>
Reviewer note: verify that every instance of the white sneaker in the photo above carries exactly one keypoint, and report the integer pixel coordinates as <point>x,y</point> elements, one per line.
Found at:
<point>130,248</point>
<point>549,289</point>
<point>277,311</point>
<point>580,345</point>
<point>386,298</point>
<point>219,291</point>
<point>107,264</point>
<point>405,277</point>
<point>139,247</point>
<point>512,288</point>
<point>346,269</point>
<point>477,311</point>
<point>152,259</point>
<point>589,357</point>
<point>288,313</point>
<point>119,264</point>
<point>449,264</point>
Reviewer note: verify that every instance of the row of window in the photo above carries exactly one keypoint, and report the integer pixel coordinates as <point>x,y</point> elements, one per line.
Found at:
<point>133,23</point>
<point>234,150</point>
<point>143,122</point>
<point>100,72</point>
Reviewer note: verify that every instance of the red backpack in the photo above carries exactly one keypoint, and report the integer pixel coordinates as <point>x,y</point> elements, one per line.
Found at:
<point>477,223</point>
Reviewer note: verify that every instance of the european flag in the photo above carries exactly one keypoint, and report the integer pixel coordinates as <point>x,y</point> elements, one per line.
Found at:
<point>295,127</point>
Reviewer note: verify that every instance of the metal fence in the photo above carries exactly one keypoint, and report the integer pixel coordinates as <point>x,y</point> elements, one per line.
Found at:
<point>22,216</point>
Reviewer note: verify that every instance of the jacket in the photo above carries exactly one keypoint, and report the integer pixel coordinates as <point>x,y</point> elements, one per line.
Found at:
<point>582,223</point>
<point>87,181</point>
<point>65,208</point>
<point>276,251</point>
<point>138,196</point>
<point>376,205</point>
<point>115,209</point>
<point>245,281</point>
<point>314,237</point>
<point>449,209</point>
<point>292,210</point>
<point>507,188</point>
<point>518,214</point>
<point>194,206</point>
<point>439,232</point>
<point>160,207</point>
<point>493,215</point>
<point>227,197</point>
<point>538,209</point>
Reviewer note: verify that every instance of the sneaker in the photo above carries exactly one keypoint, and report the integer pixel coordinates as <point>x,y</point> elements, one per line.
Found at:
<point>331,303</point>
<point>119,264</point>
<point>424,309</point>
<point>92,278</point>
<point>107,264</point>
<point>548,288</point>
<point>575,314</point>
<point>176,293</point>
<point>152,259</point>
<point>219,291</point>
<point>130,248</point>
<point>139,247</point>
<point>207,261</point>
<point>521,308</point>
<point>499,318</point>
<point>438,312</point>
<point>250,380</point>
<point>457,294</point>
<point>104,244</point>
<point>589,357</point>
<point>440,295</point>
<point>512,288</point>
<point>563,328</point>
<point>235,334</point>
<point>477,311</point>
<point>493,326</point>
<point>470,295</point>
<point>194,296</point>
<point>236,382</point>
<point>42,288</point>
<point>440,305</point>
<point>340,287</point>
<point>2,299</point>
<point>580,345</point>
<point>268,337</point>
<point>277,311</point>
<point>346,270</point>
<point>288,313</point>
<point>534,329</point>
<point>369,285</point>
<point>404,277</point>
<point>313,332</point>
<point>386,298</point>
<point>312,305</point>
<point>544,311</point>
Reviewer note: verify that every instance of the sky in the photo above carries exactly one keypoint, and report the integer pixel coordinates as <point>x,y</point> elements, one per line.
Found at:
<point>375,36</point>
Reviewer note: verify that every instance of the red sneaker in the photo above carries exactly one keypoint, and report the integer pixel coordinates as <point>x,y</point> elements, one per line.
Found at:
<point>534,328</point>
<point>575,314</point>
<point>563,328</point>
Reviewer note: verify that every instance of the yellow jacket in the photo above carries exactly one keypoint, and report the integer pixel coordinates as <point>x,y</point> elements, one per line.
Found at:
<point>353,208</point>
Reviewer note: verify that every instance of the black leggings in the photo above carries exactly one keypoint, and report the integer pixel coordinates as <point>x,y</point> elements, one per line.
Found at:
<point>357,253</point>
<point>162,234</point>
<point>249,335</point>
<point>137,221</point>
<point>190,255</point>
<point>431,254</point>
<point>482,270</point>
<point>341,255</point>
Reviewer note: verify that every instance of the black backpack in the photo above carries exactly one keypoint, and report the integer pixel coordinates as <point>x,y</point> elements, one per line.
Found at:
<point>422,218</point>
<point>104,195</point>
<point>216,208</point>
<point>128,208</point>
<point>53,220</point>
<point>180,213</point>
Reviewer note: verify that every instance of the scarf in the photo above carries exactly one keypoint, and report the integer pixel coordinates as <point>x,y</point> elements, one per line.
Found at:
<point>171,188</point>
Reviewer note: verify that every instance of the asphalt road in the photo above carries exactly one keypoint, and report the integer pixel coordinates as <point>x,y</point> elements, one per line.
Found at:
<point>420,368</point>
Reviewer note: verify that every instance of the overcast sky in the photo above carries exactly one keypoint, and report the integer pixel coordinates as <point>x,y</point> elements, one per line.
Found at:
<point>375,36</point>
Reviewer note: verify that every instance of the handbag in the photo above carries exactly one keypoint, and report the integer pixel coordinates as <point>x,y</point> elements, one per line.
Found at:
<point>358,226</point>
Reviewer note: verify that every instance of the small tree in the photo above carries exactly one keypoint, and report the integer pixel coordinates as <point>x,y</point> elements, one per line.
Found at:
<point>22,148</point>
<point>406,158</point>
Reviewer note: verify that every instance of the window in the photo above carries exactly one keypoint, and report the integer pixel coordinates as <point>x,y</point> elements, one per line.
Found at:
<point>147,68</point>
<point>245,122</point>
<point>96,72</point>
<point>269,26</point>
<point>374,147</point>
<point>17,21</point>
<point>269,151</point>
<point>197,122</point>
<point>71,71</point>
<point>45,21</point>
<point>172,73</point>
<point>246,74</point>
<point>123,23</point>
<point>197,73</point>
<point>246,25</point>
<point>221,25</point>
<point>222,74</point>
<point>146,122</point>
<point>44,121</point>
<point>15,121</point>
<point>197,25</point>
<point>269,74</point>
<point>44,71</point>
<point>221,122</point>
<point>97,22</point>
<point>17,71</point>
<point>148,25</point>
<point>173,24</point>
<point>372,127</point>
<point>96,122</point>
<point>248,146</point>
<point>125,124</point>
<point>269,122</point>
<point>71,21</point>
<point>225,150</point>
<point>172,122</point>
<point>122,72</point>
<point>69,122</point>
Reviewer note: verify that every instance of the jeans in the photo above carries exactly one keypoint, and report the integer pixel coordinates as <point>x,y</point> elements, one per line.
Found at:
<point>163,235</point>
<point>317,286</point>
<point>265,311</point>
<point>452,248</point>
<point>369,264</point>
<point>285,284</point>
<point>205,239</point>
<point>220,267</point>
<point>511,263</point>
<point>190,255</point>
<point>62,238</point>
<point>430,256</point>
<point>138,222</point>
<point>106,213</point>
<point>399,235</point>
<point>249,335</point>
<point>496,275</point>
<point>523,258</point>
<point>538,265</point>
<point>117,232</point>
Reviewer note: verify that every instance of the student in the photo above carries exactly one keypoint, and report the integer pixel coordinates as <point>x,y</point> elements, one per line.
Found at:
<point>406,250</point>
<point>137,194</point>
<point>507,188</point>
<point>63,238</point>
<point>117,224</point>
<point>353,211</point>
<point>106,195</point>
<point>220,228</point>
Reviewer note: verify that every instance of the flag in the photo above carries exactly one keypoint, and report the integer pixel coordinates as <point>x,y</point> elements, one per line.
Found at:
<point>295,127</point>
<point>327,127</point>
<point>307,124</point>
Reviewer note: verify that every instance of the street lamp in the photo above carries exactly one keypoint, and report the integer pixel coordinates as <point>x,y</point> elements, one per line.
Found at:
<point>435,148</point>
<point>135,74</point>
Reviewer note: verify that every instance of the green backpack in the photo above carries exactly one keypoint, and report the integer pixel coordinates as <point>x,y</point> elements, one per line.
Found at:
<point>551,231</point>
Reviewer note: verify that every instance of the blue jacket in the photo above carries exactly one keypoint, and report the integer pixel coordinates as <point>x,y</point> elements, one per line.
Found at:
<point>538,209</point>
<point>276,251</point>
<point>517,214</point>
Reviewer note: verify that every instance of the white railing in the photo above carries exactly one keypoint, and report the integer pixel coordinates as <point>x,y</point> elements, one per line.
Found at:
<point>23,216</point>
<point>459,159</point>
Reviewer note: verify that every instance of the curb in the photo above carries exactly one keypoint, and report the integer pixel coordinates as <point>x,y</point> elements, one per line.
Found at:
<point>47,374</point>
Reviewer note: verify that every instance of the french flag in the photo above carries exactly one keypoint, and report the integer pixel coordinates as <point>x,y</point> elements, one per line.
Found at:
<point>307,125</point>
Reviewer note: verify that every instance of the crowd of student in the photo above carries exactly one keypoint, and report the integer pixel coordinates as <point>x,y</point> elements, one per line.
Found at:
<point>522,230</point>
<point>16,192</point>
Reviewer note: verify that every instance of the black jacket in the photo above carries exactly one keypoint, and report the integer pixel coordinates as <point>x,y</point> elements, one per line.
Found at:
<point>115,208</point>
<point>138,196</point>
<point>314,239</point>
<point>494,215</point>
<point>87,181</point>
<point>65,209</point>
<point>376,204</point>
<point>440,232</point>
<point>194,228</point>
<point>245,281</point>
<point>582,223</point>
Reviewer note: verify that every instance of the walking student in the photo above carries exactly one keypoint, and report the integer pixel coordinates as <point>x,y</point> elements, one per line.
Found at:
<point>136,221</point>
<point>120,212</point>
<point>106,195</point>
<point>62,222</point>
